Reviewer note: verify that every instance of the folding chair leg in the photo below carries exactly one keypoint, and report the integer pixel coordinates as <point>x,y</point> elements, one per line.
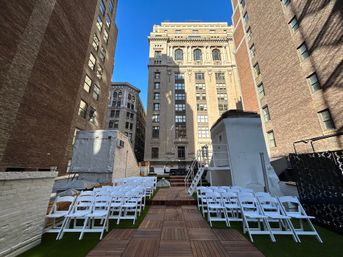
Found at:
<point>84,226</point>
<point>314,230</point>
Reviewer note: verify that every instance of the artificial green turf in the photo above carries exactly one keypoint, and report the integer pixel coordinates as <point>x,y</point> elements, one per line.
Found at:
<point>71,246</point>
<point>286,247</point>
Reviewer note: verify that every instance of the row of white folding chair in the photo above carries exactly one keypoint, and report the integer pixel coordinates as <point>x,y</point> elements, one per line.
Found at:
<point>87,209</point>
<point>263,209</point>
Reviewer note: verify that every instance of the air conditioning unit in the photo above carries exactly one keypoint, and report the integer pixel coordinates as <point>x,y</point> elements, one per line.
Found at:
<point>120,143</point>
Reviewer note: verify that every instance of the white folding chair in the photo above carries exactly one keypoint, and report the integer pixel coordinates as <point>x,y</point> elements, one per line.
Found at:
<point>232,207</point>
<point>129,208</point>
<point>272,209</point>
<point>262,194</point>
<point>81,208</point>
<point>293,209</point>
<point>251,213</point>
<point>100,211</point>
<point>215,209</point>
<point>60,208</point>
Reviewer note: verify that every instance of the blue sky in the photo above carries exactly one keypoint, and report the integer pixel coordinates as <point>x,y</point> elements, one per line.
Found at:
<point>135,19</point>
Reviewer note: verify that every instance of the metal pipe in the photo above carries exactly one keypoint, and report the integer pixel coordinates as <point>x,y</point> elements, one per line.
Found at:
<point>265,175</point>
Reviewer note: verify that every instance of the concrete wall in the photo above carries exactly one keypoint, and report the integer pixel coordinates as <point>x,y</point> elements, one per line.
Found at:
<point>24,198</point>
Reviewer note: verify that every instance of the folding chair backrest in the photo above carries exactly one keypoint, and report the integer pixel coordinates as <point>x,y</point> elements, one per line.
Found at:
<point>87,192</point>
<point>230,198</point>
<point>247,190</point>
<point>269,204</point>
<point>242,194</point>
<point>291,204</point>
<point>101,202</point>
<point>62,204</point>
<point>249,203</point>
<point>83,203</point>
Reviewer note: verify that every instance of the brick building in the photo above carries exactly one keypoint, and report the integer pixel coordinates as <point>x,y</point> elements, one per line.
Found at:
<point>57,62</point>
<point>289,56</point>
<point>126,114</point>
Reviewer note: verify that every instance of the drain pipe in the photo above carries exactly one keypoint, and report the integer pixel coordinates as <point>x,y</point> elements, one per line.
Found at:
<point>265,175</point>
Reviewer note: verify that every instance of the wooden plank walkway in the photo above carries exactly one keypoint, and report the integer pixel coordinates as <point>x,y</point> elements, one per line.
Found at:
<point>169,231</point>
<point>175,196</point>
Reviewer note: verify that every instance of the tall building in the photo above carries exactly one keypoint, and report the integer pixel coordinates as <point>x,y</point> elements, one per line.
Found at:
<point>57,63</point>
<point>126,113</point>
<point>192,80</point>
<point>290,53</point>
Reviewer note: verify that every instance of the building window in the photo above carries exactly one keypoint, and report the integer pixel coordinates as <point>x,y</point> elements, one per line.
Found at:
<point>179,76</point>
<point>158,55</point>
<point>87,84</point>
<point>202,119</point>
<point>200,86</point>
<point>222,107</point>
<point>156,118</point>
<point>95,43</point>
<point>266,114</point>
<point>303,51</point>
<point>180,107</point>
<point>157,85</point>
<point>181,152</point>
<point>200,96</point>
<point>111,124</point>
<point>156,96</point>
<point>326,120</point>
<point>91,61</point>
<point>99,72</point>
<point>96,92</point>
<point>294,24</point>
<point>180,131</point>
<point>286,2</point>
<point>221,87</point>
<point>110,6</point>
<point>156,107</point>
<point>245,17</point>
<point>112,113</point>
<point>155,131</point>
<point>252,51</point>
<point>157,75</point>
<point>271,139</point>
<point>249,33</point>
<point>108,21</point>
<point>102,54</point>
<point>257,69</point>
<point>180,118</point>
<point>313,82</point>
<point>216,55</point>
<point>197,55</point>
<point>127,125</point>
<point>242,3</point>
<point>99,23</point>
<point>117,113</point>
<point>129,115</point>
<point>105,37</point>
<point>199,76</point>
<point>222,96</point>
<point>180,97</point>
<point>179,86</point>
<point>92,114</point>
<point>154,153</point>
<point>76,130</point>
<point>178,55</point>
<point>116,124</point>
<point>260,90</point>
<point>201,107</point>
<point>195,31</point>
<point>83,109</point>
<point>220,76</point>
<point>203,132</point>
<point>102,7</point>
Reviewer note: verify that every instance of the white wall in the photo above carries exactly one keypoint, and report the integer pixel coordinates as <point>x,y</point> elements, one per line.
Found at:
<point>24,198</point>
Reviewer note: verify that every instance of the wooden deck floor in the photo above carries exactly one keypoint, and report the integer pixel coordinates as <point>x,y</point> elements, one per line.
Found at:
<point>174,231</point>
<point>176,196</point>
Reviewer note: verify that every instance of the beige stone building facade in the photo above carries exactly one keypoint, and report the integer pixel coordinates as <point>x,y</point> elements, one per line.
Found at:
<point>126,114</point>
<point>291,54</point>
<point>192,80</point>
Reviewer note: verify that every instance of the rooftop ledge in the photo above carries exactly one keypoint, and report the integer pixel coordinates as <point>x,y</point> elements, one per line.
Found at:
<point>19,175</point>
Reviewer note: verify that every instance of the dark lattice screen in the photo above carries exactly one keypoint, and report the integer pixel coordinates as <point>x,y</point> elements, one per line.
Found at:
<point>320,186</point>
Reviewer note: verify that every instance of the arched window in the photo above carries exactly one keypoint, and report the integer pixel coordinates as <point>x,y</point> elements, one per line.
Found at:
<point>216,55</point>
<point>115,95</point>
<point>197,55</point>
<point>178,55</point>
